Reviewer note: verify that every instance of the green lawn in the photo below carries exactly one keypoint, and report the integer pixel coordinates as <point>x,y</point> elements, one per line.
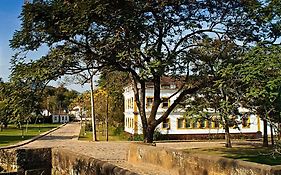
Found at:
<point>251,154</point>
<point>88,135</point>
<point>12,134</point>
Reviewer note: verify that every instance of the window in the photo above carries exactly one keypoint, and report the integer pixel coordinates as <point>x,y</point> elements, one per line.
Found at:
<point>194,123</point>
<point>165,86</point>
<point>166,124</point>
<point>165,103</point>
<point>187,123</point>
<point>245,121</point>
<point>216,123</point>
<point>149,101</point>
<point>209,123</point>
<point>181,123</point>
<point>132,102</point>
<point>202,123</point>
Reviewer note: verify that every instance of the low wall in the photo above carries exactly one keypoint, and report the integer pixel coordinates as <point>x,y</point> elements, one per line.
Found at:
<point>177,162</point>
<point>56,161</point>
<point>70,163</point>
<point>8,160</point>
<point>26,161</point>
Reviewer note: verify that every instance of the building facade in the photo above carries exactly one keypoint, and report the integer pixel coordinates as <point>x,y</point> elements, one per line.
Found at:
<point>62,118</point>
<point>178,126</point>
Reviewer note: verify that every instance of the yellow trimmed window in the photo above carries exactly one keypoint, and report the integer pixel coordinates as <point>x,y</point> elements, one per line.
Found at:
<point>194,123</point>
<point>209,123</point>
<point>202,123</point>
<point>245,121</point>
<point>166,124</point>
<point>183,123</point>
<point>165,103</point>
<point>149,101</point>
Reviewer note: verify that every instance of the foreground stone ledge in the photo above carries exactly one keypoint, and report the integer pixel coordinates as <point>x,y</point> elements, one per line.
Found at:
<point>9,173</point>
<point>67,162</point>
<point>56,161</point>
<point>180,163</point>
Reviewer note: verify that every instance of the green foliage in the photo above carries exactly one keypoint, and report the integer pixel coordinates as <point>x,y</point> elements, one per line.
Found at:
<point>261,74</point>
<point>147,39</point>
<point>118,130</point>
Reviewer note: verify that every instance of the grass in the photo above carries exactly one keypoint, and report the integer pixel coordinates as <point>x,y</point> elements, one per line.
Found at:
<point>101,135</point>
<point>251,154</point>
<point>12,134</point>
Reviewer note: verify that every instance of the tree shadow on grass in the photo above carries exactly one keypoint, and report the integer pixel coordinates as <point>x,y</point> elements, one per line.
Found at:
<point>9,140</point>
<point>251,154</point>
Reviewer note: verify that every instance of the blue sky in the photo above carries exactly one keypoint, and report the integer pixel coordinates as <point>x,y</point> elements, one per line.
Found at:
<point>9,22</point>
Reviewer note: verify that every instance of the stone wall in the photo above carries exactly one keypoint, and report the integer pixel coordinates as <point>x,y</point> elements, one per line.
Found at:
<point>180,163</point>
<point>26,161</point>
<point>8,160</point>
<point>56,161</point>
<point>9,173</point>
<point>66,162</point>
<point>34,161</point>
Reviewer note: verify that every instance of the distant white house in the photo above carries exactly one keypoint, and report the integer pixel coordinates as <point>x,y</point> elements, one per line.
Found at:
<point>45,112</point>
<point>78,112</point>
<point>176,125</point>
<point>60,118</point>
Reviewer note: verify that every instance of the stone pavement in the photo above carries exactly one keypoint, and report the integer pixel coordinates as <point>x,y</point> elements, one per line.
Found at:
<point>113,152</point>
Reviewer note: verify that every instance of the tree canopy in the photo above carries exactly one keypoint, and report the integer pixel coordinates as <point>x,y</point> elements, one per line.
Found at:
<point>147,39</point>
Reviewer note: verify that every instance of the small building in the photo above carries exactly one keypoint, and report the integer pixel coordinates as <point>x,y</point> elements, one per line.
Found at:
<point>60,118</point>
<point>77,112</point>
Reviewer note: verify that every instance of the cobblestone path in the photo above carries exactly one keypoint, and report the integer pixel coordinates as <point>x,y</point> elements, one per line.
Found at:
<point>113,152</point>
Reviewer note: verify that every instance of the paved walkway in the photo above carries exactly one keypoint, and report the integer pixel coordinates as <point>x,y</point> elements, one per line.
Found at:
<point>113,152</point>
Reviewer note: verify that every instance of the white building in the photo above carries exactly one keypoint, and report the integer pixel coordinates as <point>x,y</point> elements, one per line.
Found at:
<point>60,118</point>
<point>178,127</point>
<point>78,112</point>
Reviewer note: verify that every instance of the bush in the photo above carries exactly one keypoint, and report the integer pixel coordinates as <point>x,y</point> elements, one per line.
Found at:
<point>135,138</point>
<point>157,135</point>
<point>118,130</point>
<point>88,127</point>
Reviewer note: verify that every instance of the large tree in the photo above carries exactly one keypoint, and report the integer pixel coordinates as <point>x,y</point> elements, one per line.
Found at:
<point>219,101</point>
<point>261,74</point>
<point>147,39</point>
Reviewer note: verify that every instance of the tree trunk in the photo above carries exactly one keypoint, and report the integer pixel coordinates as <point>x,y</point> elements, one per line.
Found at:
<point>279,131</point>
<point>227,136</point>
<point>107,117</point>
<point>272,136</point>
<point>93,110</point>
<point>5,124</point>
<point>265,136</point>
<point>148,138</point>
